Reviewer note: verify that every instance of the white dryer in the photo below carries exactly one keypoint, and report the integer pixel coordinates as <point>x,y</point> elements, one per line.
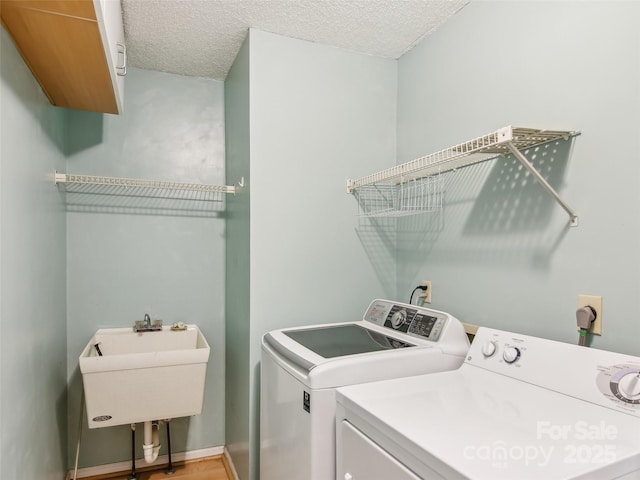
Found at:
<point>520,407</point>
<point>302,367</point>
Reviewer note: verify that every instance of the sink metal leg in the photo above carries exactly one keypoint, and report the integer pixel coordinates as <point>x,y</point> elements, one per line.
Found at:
<point>169,470</point>
<point>133,475</point>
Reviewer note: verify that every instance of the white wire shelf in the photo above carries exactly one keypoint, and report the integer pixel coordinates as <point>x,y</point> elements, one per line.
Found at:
<point>506,140</point>
<point>98,185</point>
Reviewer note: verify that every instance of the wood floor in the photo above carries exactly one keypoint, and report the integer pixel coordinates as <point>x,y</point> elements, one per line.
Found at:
<point>211,468</point>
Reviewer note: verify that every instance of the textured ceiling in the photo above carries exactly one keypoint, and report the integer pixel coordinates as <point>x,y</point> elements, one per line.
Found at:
<point>202,37</point>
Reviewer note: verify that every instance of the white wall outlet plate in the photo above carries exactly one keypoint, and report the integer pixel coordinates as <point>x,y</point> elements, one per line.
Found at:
<point>426,294</point>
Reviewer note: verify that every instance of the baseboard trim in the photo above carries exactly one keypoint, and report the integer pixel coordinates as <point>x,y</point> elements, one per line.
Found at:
<point>228,465</point>
<point>161,460</point>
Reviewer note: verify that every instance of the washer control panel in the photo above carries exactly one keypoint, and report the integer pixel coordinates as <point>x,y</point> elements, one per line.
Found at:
<point>606,378</point>
<point>410,319</point>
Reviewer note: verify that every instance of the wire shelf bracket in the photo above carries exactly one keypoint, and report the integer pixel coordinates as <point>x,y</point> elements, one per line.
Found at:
<point>503,141</point>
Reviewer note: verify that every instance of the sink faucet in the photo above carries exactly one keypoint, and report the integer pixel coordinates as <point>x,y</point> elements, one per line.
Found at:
<point>147,325</point>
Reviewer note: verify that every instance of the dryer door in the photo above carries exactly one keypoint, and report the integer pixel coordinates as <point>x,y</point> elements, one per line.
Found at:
<point>361,459</point>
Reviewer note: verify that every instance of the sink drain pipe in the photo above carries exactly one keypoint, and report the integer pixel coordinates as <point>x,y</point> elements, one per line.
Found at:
<point>151,445</point>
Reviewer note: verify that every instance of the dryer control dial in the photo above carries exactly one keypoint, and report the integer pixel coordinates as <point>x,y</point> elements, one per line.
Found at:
<point>511,354</point>
<point>629,386</point>
<point>621,383</point>
<point>489,349</point>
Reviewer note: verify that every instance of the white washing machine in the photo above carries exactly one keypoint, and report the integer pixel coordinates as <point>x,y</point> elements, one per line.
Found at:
<point>302,367</point>
<point>519,407</point>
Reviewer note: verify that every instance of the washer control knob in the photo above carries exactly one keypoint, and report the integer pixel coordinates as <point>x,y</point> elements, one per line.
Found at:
<point>629,386</point>
<point>398,318</point>
<point>511,354</point>
<point>489,349</point>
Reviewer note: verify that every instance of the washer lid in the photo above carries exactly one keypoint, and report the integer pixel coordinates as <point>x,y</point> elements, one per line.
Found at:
<point>341,340</point>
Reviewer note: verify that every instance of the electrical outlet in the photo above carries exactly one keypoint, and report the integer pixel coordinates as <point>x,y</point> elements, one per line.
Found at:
<point>426,294</point>
<point>594,302</point>
<point>470,329</point>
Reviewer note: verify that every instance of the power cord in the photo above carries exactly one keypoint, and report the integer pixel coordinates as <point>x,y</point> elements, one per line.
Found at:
<point>419,287</point>
<point>585,316</point>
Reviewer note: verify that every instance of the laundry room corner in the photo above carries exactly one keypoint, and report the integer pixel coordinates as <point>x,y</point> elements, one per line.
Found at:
<point>315,115</point>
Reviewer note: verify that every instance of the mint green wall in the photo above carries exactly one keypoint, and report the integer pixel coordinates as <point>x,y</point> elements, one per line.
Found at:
<point>502,255</point>
<point>128,258</point>
<point>317,115</point>
<point>33,397</point>
<point>237,388</point>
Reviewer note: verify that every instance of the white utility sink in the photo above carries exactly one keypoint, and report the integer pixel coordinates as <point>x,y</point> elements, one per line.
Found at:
<point>143,376</point>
